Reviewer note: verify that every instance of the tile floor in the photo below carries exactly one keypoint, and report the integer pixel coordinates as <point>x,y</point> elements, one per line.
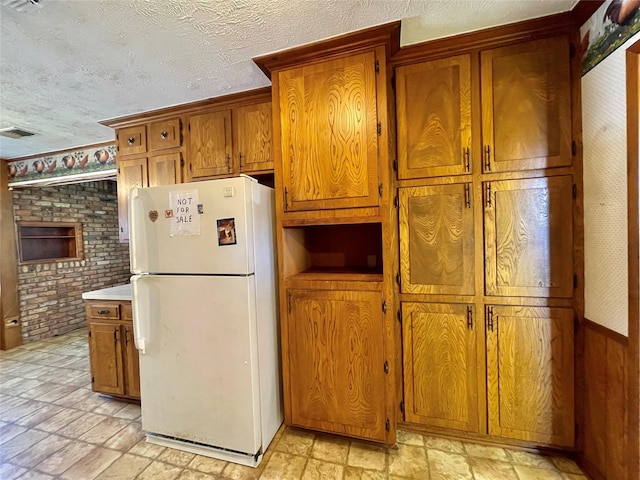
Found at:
<point>52,426</point>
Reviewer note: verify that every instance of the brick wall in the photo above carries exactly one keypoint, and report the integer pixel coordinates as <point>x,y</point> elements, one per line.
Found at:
<point>51,293</point>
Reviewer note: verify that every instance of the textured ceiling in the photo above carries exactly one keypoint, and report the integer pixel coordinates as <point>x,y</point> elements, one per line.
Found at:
<point>66,64</point>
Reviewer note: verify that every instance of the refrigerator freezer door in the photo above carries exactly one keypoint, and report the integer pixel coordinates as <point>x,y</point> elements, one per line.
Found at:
<point>199,374</point>
<point>193,228</point>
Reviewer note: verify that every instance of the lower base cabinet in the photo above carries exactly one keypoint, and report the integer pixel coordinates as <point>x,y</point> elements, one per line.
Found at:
<point>440,365</point>
<point>113,357</point>
<point>335,363</point>
<point>530,380</point>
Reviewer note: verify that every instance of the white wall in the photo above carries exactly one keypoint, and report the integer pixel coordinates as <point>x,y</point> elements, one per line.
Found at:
<point>604,133</point>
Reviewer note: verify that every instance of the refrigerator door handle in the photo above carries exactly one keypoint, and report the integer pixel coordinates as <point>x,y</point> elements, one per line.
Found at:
<point>136,230</point>
<point>140,313</point>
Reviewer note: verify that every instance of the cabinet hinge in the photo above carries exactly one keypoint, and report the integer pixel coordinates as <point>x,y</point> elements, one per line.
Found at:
<point>89,333</point>
<point>377,66</point>
<point>379,128</point>
<point>490,318</point>
<point>398,279</point>
<point>402,406</point>
<point>380,190</point>
<point>400,316</point>
<point>288,302</point>
<point>93,380</point>
<point>386,367</point>
<point>189,126</point>
<point>393,82</point>
<point>118,170</point>
<point>572,50</point>
<point>396,201</point>
<point>395,165</point>
<point>387,425</point>
<point>469,317</point>
<point>384,306</point>
<point>467,195</point>
<point>286,198</point>
<point>574,148</point>
<point>575,281</point>
<point>574,191</point>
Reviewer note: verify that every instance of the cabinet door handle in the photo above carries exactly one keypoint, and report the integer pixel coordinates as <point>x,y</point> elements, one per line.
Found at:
<point>228,162</point>
<point>487,155</point>
<point>164,134</point>
<point>467,155</point>
<point>103,312</point>
<point>240,158</point>
<point>131,140</point>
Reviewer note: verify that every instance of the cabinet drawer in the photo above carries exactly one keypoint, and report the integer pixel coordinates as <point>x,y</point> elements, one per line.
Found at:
<point>165,134</point>
<point>132,140</point>
<point>104,311</point>
<point>127,313</point>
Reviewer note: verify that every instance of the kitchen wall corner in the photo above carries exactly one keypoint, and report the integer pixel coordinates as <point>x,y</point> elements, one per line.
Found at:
<point>50,293</point>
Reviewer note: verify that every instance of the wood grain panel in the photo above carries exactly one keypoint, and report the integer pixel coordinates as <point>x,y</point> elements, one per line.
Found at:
<point>529,237</point>
<point>164,169</point>
<point>440,369</point>
<point>132,172</point>
<point>526,105</point>
<point>210,144</point>
<point>336,357</point>
<point>106,358</point>
<point>131,140</point>
<point>165,134</point>
<point>329,140</point>
<point>436,239</point>
<point>616,411</point>
<point>131,363</point>
<point>530,374</point>
<point>253,137</point>
<point>433,101</point>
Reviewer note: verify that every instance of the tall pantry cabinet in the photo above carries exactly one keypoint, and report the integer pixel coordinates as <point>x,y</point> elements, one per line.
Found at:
<point>486,207</point>
<point>334,233</point>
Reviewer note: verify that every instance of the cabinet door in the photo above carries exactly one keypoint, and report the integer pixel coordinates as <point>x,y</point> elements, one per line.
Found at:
<point>164,169</point>
<point>436,239</point>
<point>131,363</point>
<point>210,144</point>
<point>165,134</point>
<point>132,172</point>
<point>106,358</point>
<point>335,362</point>
<point>526,105</point>
<point>433,108</point>
<point>440,365</point>
<point>529,237</point>
<point>328,123</point>
<point>253,138</point>
<point>132,140</point>
<point>530,373</point>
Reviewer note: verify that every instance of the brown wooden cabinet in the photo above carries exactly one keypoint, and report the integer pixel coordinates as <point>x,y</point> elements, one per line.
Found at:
<point>526,105</point>
<point>328,139</point>
<point>132,172</point>
<point>253,137</point>
<point>336,364</point>
<point>334,233</point>
<point>112,353</point>
<point>530,373</point>
<point>433,110</point>
<point>436,239</point>
<point>209,150</point>
<point>440,365</point>
<point>486,217</point>
<point>529,237</point>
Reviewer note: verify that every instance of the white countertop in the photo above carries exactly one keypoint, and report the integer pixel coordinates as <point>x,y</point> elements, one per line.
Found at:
<point>121,292</point>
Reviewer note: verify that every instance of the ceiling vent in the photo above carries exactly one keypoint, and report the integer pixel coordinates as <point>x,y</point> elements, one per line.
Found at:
<point>15,132</point>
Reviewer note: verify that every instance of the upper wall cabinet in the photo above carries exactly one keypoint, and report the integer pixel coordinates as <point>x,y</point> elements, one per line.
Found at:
<point>253,137</point>
<point>329,133</point>
<point>526,106</point>
<point>210,144</point>
<point>433,108</point>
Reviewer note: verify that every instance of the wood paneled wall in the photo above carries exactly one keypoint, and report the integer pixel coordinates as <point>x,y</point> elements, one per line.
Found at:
<point>605,399</point>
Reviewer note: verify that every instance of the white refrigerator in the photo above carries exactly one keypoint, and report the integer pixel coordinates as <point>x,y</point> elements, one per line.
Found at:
<point>205,316</point>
